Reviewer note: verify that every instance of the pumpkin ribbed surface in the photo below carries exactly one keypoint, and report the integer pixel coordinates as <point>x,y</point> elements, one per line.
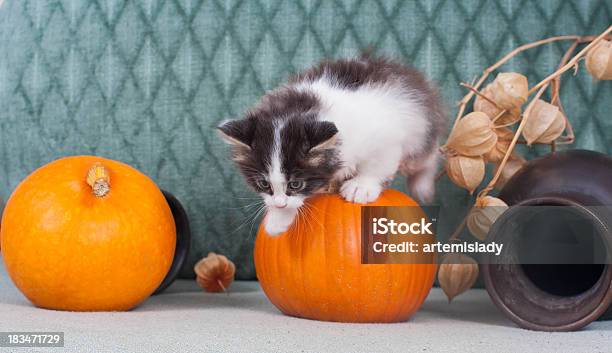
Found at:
<point>87,233</point>
<point>314,270</point>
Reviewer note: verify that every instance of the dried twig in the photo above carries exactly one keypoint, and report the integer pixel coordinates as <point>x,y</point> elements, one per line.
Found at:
<point>463,102</point>
<point>556,86</point>
<point>483,96</point>
<point>459,229</point>
<point>540,88</point>
<point>572,62</point>
<point>568,61</point>
<point>528,110</point>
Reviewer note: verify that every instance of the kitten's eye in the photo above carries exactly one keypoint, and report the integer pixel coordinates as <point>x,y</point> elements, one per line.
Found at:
<point>296,185</point>
<point>262,183</point>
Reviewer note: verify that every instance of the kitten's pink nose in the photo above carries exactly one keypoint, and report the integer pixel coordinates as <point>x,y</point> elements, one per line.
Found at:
<point>280,201</point>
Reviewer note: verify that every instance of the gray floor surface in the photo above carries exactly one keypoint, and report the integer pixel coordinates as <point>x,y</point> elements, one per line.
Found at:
<point>184,319</point>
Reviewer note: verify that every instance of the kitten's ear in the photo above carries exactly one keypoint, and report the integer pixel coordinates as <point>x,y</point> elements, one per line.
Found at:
<point>237,132</point>
<point>321,135</point>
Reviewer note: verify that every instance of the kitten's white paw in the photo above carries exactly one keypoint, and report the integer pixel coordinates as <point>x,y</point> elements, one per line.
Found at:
<point>279,220</point>
<point>360,190</point>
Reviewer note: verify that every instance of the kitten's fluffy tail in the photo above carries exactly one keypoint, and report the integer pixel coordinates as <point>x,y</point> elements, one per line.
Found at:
<point>420,176</point>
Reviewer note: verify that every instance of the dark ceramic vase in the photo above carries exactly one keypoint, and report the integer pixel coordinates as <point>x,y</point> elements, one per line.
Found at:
<point>554,297</point>
<point>183,240</point>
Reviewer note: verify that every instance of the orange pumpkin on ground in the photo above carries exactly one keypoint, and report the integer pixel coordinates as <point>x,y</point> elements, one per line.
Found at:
<point>314,269</point>
<point>86,234</point>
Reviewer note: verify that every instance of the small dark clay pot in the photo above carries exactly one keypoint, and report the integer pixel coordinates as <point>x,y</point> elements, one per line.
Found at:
<point>554,297</point>
<point>183,240</point>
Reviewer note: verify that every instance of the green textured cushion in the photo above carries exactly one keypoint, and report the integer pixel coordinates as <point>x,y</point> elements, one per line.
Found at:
<point>146,82</point>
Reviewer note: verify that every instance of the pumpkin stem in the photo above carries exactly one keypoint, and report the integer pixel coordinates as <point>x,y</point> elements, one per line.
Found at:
<point>99,180</point>
<point>222,286</point>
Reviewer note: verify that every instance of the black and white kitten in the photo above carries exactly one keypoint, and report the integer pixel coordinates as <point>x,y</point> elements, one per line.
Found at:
<point>354,122</point>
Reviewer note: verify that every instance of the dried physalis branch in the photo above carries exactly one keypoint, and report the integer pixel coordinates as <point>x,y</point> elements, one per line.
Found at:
<point>485,212</point>
<point>215,273</point>
<point>457,273</point>
<point>497,153</point>
<point>509,90</point>
<point>545,124</point>
<point>513,165</point>
<point>481,104</point>
<point>473,135</point>
<point>599,61</point>
<point>466,172</point>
